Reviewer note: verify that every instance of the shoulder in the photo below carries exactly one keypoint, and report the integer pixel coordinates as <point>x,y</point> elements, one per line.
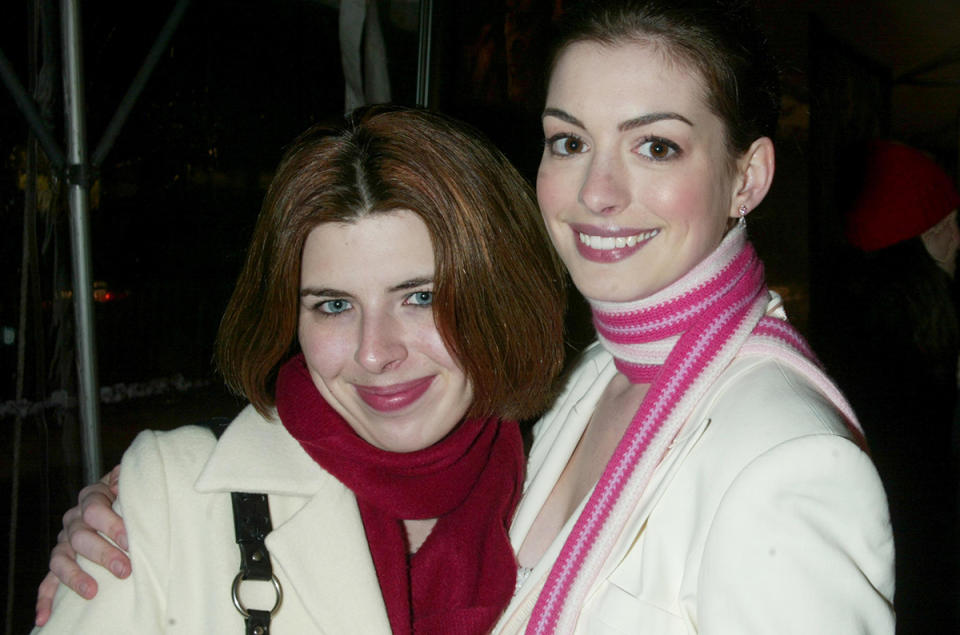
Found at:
<point>762,401</point>
<point>580,386</point>
<point>802,528</point>
<point>188,447</point>
<point>765,423</point>
<point>792,493</point>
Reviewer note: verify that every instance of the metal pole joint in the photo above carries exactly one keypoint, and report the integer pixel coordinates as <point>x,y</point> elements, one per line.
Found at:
<point>81,175</point>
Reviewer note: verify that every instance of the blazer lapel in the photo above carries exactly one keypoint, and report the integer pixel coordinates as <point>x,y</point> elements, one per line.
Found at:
<point>565,434</point>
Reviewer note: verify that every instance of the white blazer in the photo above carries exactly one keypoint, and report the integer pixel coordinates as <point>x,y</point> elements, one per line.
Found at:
<point>175,501</point>
<point>764,517</point>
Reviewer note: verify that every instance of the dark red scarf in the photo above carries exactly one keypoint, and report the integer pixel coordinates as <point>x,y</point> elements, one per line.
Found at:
<point>463,576</point>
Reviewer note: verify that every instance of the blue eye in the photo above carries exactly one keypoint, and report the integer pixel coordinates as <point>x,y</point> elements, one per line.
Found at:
<point>563,145</point>
<point>420,298</point>
<point>333,307</point>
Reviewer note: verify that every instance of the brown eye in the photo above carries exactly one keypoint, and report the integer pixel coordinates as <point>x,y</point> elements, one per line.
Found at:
<point>572,145</point>
<point>565,145</point>
<point>658,149</point>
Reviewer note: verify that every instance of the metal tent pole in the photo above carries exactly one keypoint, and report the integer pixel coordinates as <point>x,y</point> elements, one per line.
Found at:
<point>78,185</point>
<point>139,82</point>
<point>424,53</point>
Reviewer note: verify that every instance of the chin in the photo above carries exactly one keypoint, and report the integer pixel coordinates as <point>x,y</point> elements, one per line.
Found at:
<point>607,292</point>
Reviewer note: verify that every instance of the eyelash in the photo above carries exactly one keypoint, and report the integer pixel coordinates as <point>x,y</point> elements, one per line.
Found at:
<point>415,293</point>
<point>551,142</point>
<point>319,306</point>
<point>673,149</point>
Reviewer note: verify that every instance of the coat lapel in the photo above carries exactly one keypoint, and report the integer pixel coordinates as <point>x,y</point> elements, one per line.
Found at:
<point>322,546</point>
<point>563,436</point>
<point>318,545</point>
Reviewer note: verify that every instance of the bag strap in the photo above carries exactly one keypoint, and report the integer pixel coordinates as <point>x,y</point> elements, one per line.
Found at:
<point>251,524</point>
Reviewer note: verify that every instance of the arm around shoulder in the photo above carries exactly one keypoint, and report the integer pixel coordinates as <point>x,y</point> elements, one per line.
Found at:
<point>136,603</point>
<point>801,543</point>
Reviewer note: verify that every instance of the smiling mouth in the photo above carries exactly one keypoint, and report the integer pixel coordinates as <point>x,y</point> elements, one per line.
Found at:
<point>612,246</point>
<point>393,397</point>
<point>607,243</point>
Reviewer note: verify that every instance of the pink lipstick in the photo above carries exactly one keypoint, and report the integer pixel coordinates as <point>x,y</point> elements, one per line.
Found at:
<point>609,245</point>
<point>395,396</point>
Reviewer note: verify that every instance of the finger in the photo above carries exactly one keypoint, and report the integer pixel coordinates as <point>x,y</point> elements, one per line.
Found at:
<point>94,547</point>
<point>63,565</point>
<point>97,493</point>
<point>97,514</point>
<point>113,479</point>
<point>45,592</point>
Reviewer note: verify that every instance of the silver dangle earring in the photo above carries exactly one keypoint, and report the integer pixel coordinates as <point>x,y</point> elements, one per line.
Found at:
<point>742,221</point>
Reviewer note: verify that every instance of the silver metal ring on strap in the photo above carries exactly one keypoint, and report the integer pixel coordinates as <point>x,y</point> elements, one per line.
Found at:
<point>235,593</point>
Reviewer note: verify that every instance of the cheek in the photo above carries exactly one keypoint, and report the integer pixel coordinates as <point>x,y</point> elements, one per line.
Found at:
<point>427,338</point>
<point>700,209</point>
<point>326,353</point>
<point>553,192</point>
<point>680,203</point>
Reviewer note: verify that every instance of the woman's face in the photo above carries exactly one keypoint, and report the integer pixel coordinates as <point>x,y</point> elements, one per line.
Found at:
<point>367,331</point>
<point>635,183</point>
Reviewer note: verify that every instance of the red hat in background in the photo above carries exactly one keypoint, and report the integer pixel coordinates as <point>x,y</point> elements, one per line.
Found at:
<point>904,194</point>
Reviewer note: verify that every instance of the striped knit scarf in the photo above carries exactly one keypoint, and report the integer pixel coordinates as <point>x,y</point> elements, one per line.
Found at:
<point>679,341</point>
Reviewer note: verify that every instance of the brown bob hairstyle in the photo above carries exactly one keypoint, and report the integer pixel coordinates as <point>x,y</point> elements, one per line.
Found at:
<point>498,287</point>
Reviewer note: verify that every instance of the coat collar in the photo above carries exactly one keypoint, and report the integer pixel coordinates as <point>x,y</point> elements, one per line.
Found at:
<point>256,454</point>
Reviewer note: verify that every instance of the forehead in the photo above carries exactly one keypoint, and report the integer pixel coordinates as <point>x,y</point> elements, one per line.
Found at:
<point>381,246</point>
<point>618,79</point>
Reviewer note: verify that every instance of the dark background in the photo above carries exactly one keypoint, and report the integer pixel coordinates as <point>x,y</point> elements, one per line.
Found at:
<point>176,199</point>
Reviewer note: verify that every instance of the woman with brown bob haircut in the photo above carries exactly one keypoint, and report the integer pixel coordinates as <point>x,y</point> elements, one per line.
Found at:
<point>399,307</point>
<point>508,344</point>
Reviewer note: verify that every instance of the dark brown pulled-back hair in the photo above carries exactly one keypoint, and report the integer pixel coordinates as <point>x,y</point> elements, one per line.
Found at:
<point>498,288</point>
<point>720,39</point>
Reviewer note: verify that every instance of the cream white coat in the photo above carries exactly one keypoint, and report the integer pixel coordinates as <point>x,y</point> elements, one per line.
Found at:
<point>175,501</point>
<point>764,517</point>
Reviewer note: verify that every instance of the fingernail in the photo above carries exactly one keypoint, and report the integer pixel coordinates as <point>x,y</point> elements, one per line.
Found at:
<point>122,541</point>
<point>118,569</point>
<point>83,589</point>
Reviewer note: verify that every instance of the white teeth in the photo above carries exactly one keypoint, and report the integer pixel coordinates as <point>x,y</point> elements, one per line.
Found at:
<point>609,242</point>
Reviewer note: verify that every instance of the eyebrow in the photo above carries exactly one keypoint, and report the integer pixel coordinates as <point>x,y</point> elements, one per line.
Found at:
<point>629,124</point>
<point>337,293</point>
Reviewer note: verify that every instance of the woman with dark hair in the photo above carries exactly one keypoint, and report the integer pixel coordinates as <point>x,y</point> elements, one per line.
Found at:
<point>383,329</point>
<point>699,471</point>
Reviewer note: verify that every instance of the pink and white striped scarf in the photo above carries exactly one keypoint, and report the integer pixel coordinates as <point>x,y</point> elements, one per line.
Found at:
<point>679,341</point>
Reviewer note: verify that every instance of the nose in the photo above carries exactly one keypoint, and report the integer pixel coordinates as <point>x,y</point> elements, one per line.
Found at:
<point>604,190</point>
<point>382,345</point>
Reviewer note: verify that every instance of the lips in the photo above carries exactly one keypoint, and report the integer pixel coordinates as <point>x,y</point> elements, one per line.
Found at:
<point>395,396</point>
<point>600,245</point>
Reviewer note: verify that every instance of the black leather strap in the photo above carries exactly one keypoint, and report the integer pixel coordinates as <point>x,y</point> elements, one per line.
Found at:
<point>258,622</point>
<point>251,523</point>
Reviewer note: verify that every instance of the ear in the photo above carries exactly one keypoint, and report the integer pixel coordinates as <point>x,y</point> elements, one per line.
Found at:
<point>754,176</point>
